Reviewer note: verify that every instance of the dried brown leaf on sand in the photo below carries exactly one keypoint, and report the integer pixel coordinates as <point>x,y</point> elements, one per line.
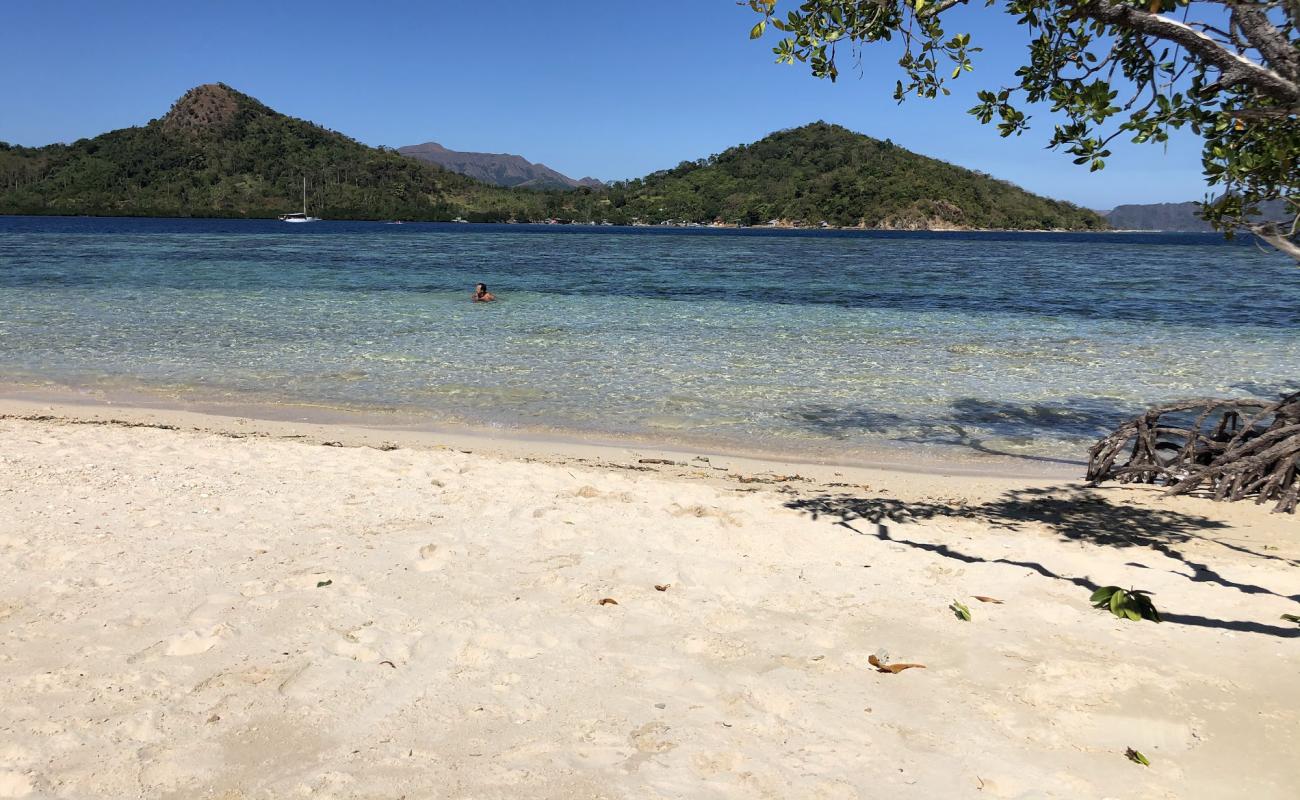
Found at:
<point>891,668</point>
<point>608,601</point>
<point>662,587</point>
<point>984,599</point>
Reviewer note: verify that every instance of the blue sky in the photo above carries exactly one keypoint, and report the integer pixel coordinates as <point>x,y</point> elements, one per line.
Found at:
<point>610,88</point>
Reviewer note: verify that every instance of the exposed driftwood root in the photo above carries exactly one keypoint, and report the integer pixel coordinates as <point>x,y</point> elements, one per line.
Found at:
<point>1230,448</point>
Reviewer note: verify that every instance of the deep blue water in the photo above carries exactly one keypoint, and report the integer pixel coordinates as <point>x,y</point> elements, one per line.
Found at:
<point>820,342</point>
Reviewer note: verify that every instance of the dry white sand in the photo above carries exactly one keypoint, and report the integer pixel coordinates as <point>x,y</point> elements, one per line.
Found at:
<point>186,614</point>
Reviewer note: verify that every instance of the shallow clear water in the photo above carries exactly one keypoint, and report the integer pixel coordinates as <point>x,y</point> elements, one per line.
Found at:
<point>818,343</point>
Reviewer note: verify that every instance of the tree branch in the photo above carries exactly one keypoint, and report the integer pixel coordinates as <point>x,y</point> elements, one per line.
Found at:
<point>1292,8</point>
<point>1234,68</point>
<point>1269,232</point>
<point>1254,23</point>
<point>939,8</point>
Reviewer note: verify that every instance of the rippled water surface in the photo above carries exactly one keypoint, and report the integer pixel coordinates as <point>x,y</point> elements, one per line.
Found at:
<point>819,343</point>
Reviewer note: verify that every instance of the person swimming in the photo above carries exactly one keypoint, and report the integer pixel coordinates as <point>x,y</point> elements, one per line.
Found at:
<point>481,294</point>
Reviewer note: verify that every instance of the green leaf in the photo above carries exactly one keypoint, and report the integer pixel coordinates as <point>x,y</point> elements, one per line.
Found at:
<point>1133,604</point>
<point>1103,594</point>
<point>757,30</point>
<point>1291,618</point>
<point>1136,757</point>
<point>319,584</point>
<point>961,610</point>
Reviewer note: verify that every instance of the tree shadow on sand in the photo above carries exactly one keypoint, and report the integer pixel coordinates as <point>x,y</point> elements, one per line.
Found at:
<point>970,421</point>
<point>1076,514</point>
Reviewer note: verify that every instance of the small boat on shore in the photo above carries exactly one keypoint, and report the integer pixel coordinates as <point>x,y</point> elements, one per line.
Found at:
<point>300,216</point>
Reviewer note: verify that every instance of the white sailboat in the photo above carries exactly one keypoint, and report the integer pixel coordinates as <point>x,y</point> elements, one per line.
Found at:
<point>296,217</point>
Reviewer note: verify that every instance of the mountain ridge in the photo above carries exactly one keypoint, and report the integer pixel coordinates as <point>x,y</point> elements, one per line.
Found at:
<point>1174,217</point>
<point>220,153</point>
<point>499,169</point>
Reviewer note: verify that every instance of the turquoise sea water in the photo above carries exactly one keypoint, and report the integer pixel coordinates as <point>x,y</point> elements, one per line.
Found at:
<point>815,343</point>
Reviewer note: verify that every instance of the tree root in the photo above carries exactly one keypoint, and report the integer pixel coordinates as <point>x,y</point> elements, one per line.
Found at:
<point>1251,449</point>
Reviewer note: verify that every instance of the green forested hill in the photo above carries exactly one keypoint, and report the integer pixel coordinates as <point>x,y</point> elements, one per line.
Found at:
<point>220,153</point>
<point>826,172</point>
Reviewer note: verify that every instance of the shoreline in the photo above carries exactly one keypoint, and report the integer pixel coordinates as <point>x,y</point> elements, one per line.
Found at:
<point>417,430</point>
<point>602,225</point>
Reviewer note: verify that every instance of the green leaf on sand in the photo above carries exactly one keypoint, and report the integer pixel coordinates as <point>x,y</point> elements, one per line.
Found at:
<point>319,584</point>
<point>1132,604</point>
<point>960,609</point>
<point>1136,757</point>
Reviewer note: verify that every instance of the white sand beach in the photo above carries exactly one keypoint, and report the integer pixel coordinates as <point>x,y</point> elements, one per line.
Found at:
<point>230,609</point>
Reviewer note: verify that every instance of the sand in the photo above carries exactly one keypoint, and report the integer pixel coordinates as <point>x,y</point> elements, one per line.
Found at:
<point>231,609</point>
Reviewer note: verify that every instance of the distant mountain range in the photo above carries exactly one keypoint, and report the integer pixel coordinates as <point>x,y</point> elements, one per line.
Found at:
<point>1173,216</point>
<point>221,153</point>
<point>499,169</point>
